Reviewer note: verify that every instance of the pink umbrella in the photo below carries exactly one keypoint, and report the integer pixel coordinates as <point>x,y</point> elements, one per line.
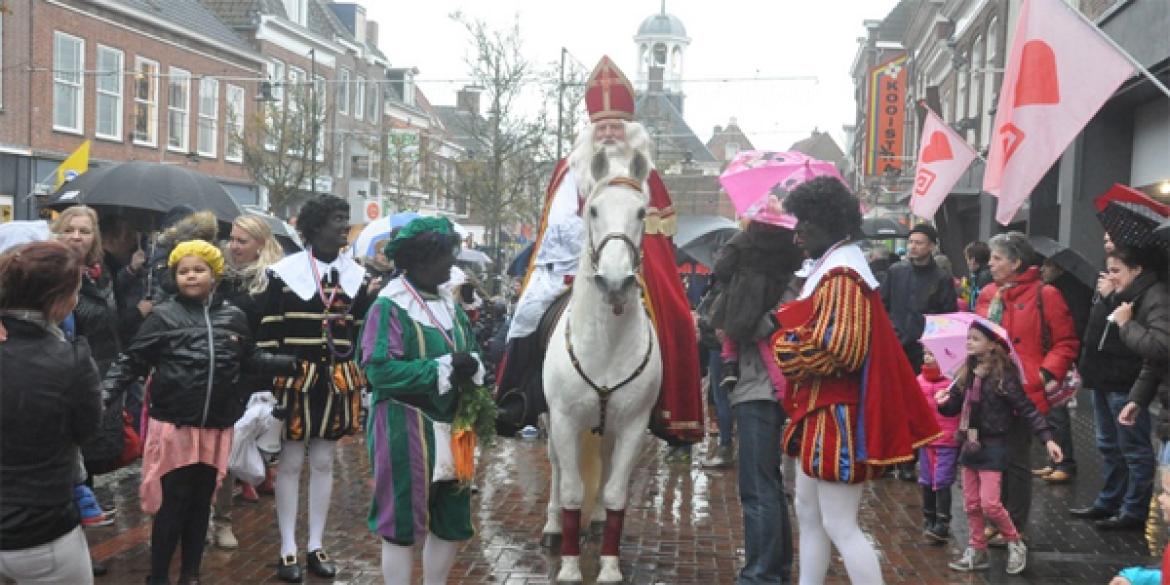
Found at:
<point>946,337</point>
<point>753,174</point>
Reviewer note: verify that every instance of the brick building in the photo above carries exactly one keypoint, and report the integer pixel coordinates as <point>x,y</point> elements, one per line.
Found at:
<point>150,81</point>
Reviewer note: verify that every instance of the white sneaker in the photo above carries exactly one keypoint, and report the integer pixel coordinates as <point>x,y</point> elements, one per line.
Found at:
<point>972,560</point>
<point>224,538</point>
<point>1017,557</point>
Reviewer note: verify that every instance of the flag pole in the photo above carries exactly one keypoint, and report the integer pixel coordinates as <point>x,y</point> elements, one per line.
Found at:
<point>1133,61</point>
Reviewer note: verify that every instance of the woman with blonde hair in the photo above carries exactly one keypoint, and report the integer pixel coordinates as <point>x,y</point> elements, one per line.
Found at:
<point>251,249</point>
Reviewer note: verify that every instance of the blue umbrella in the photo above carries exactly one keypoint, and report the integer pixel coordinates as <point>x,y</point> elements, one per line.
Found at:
<point>519,264</point>
<point>376,232</point>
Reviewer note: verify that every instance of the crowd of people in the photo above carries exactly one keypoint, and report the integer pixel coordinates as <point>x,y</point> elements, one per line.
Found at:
<point>109,353</point>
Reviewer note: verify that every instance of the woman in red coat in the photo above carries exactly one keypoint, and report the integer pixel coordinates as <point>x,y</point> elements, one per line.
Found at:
<point>1047,345</point>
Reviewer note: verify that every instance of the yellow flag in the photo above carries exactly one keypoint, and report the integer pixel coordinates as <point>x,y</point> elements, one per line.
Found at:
<point>77,163</point>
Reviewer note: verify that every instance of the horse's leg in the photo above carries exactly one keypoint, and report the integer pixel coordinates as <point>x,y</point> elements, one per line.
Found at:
<point>605,455</point>
<point>563,434</point>
<point>615,493</point>
<point>550,536</point>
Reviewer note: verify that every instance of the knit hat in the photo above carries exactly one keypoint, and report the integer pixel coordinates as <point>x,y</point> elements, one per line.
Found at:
<point>201,249</point>
<point>417,227</point>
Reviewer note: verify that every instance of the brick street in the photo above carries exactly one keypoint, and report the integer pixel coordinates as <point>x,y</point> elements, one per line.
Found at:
<point>683,526</point>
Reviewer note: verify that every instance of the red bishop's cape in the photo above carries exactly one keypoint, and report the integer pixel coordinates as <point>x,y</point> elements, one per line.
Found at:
<point>894,418</point>
<point>679,412</point>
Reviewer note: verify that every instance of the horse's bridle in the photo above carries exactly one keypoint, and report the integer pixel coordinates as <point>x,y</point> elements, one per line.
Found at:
<point>633,247</point>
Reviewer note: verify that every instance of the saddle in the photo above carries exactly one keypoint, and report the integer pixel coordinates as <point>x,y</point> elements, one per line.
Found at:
<point>520,391</point>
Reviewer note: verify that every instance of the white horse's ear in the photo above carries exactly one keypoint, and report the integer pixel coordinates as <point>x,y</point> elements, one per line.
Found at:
<point>599,167</point>
<point>639,167</point>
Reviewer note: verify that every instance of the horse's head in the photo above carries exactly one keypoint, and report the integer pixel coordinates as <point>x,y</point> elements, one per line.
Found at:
<point>613,215</point>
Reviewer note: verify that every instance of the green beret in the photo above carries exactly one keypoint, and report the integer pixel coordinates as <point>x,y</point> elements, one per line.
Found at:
<point>416,227</point>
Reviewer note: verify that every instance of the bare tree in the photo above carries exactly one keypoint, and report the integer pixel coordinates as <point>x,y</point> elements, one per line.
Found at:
<point>279,141</point>
<point>498,180</point>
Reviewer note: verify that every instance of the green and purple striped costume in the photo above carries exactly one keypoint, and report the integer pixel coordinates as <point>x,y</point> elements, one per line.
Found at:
<point>402,354</point>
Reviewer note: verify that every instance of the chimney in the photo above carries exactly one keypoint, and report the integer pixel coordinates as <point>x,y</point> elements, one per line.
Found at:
<point>372,33</point>
<point>718,129</point>
<point>467,99</point>
<point>359,25</point>
<point>732,122</point>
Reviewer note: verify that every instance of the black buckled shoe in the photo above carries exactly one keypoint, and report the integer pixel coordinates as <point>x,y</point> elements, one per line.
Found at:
<point>289,571</point>
<point>1121,523</point>
<point>1090,513</point>
<point>320,564</point>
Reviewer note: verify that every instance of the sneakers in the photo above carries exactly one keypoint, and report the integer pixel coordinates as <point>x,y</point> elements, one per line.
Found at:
<point>730,376</point>
<point>1017,557</point>
<point>91,513</point>
<point>223,537</point>
<point>972,560</point>
<point>721,457</point>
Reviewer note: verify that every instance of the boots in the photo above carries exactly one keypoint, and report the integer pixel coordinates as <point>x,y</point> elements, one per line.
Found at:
<point>940,531</point>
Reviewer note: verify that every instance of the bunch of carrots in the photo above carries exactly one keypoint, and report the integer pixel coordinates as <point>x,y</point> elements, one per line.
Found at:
<point>475,422</point>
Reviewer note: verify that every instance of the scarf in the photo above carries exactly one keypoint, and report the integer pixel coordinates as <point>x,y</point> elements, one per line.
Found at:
<point>968,437</point>
<point>995,310</point>
<point>932,372</point>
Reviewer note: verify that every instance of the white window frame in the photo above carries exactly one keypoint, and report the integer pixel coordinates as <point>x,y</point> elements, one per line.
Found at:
<point>233,148</point>
<point>372,113</point>
<point>176,76</point>
<point>343,91</point>
<point>359,100</point>
<point>298,11</point>
<point>118,96</point>
<point>322,98</point>
<point>296,80</point>
<point>208,119</point>
<point>139,61</point>
<point>276,73</point>
<point>76,85</point>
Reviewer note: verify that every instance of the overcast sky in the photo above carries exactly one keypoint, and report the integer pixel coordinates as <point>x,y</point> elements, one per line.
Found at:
<point>732,38</point>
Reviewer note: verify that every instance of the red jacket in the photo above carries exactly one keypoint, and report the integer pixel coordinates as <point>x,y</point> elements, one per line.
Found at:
<point>1021,318</point>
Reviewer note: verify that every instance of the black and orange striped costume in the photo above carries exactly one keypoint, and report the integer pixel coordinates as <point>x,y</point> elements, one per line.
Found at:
<point>852,398</point>
<point>324,401</point>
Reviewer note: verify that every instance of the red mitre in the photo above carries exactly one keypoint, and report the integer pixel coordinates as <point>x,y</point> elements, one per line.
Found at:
<point>608,94</point>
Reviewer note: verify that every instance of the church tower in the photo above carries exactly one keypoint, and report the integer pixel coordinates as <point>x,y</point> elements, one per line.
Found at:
<point>662,42</point>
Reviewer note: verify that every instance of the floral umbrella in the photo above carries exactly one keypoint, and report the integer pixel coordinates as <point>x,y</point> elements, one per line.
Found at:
<point>755,174</point>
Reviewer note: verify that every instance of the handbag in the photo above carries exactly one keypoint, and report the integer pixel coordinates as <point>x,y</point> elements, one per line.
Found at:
<point>1071,383</point>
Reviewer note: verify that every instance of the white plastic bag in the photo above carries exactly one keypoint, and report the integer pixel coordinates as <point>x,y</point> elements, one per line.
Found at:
<point>444,461</point>
<point>245,461</point>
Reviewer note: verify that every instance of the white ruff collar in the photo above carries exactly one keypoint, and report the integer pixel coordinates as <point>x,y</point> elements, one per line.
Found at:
<point>848,256</point>
<point>443,308</point>
<point>296,272</point>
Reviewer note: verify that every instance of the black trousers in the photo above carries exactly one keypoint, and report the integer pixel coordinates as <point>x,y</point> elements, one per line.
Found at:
<point>182,518</point>
<point>1016,490</point>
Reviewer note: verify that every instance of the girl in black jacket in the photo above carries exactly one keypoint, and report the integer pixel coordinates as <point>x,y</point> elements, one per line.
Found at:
<point>987,394</point>
<point>198,347</point>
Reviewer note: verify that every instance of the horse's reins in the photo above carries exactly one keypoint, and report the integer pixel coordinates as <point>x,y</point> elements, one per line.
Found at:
<point>604,392</point>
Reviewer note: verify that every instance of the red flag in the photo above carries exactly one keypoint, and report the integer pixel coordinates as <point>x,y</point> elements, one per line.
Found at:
<point>943,156</point>
<point>1059,73</point>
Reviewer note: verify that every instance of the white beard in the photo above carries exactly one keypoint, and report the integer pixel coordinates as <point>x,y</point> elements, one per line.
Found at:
<point>619,153</point>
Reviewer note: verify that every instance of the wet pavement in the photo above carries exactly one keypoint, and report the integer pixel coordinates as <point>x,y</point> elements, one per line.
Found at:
<point>683,526</point>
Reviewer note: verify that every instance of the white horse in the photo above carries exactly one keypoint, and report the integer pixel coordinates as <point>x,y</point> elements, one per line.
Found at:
<point>603,368</point>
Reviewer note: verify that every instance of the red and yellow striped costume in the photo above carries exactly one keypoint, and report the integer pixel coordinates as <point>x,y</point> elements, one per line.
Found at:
<point>853,401</point>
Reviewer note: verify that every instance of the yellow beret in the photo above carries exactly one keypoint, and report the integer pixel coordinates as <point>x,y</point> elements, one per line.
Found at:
<point>200,249</point>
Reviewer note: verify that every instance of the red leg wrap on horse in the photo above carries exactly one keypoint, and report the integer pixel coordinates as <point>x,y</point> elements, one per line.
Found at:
<point>611,539</point>
<point>570,532</point>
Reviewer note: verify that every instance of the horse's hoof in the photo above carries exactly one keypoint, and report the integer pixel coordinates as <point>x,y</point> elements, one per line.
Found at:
<point>551,540</point>
<point>570,570</point>
<point>610,571</point>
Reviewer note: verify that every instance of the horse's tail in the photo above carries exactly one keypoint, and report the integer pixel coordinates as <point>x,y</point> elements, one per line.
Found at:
<point>589,461</point>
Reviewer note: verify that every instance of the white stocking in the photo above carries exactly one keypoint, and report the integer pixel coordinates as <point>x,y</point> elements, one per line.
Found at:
<point>817,530</point>
<point>438,558</point>
<point>288,484</point>
<point>320,488</point>
<point>815,547</point>
<point>397,563</point>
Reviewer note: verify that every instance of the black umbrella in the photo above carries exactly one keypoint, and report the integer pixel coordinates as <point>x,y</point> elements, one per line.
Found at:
<point>285,234</point>
<point>1065,257</point>
<point>883,228</point>
<point>152,188</point>
<point>700,236</point>
<point>1163,231</point>
<point>1132,224</point>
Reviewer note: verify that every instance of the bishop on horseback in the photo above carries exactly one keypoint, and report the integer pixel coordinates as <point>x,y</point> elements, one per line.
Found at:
<point>676,417</point>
